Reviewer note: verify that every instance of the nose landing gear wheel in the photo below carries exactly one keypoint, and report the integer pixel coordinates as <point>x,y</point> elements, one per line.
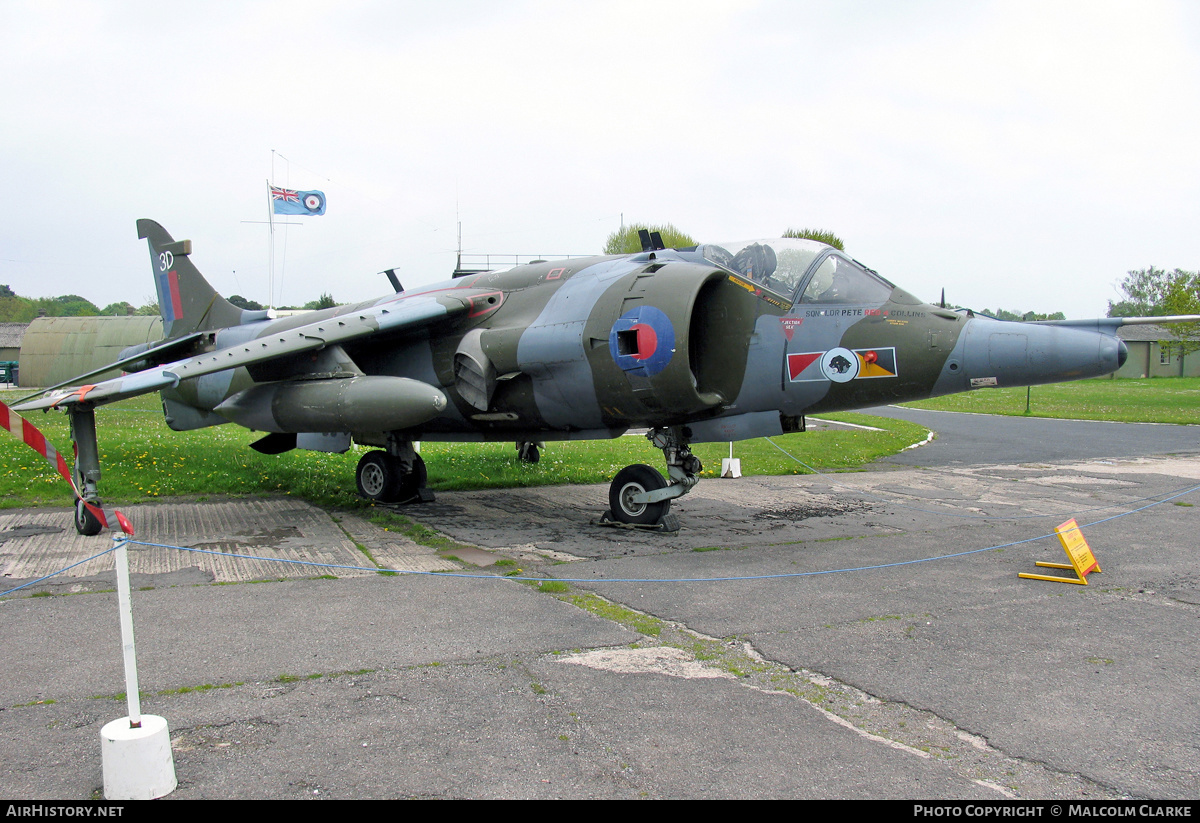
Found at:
<point>630,482</point>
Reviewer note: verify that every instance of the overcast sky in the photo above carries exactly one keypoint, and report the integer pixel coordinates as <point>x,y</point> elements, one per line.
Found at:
<point>1019,154</point>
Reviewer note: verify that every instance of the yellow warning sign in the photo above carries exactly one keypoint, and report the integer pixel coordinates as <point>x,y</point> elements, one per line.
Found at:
<point>1079,552</point>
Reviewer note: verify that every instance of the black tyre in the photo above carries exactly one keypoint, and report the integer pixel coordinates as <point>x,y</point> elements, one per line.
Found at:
<point>86,523</point>
<point>528,452</point>
<point>410,484</point>
<point>632,481</point>
<point>378,477</point>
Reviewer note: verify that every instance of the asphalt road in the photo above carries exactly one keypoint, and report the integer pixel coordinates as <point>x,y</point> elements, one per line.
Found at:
<point>972,439</point>
<point>951,678</point>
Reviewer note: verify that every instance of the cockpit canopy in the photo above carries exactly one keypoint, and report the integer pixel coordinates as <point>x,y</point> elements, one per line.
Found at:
<point>803,271</point>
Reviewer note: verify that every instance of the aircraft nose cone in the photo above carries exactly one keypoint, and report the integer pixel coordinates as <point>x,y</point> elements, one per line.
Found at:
<point>1026,354</point>
<point>1113,353</point>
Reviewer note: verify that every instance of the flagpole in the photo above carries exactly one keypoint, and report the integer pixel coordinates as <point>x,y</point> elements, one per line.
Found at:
<point>270,239</point>
<point>271,218</point>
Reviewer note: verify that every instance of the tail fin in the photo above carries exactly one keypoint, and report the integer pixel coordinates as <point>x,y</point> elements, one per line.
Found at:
<point>185,299</point>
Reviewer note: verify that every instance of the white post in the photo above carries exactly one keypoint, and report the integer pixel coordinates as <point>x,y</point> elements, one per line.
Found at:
<point>135,751</point>
<point>133,699</point>
<point>731,466</point>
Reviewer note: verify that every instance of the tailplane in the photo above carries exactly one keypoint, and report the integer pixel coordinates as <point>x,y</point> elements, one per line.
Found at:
<point>185,299</point>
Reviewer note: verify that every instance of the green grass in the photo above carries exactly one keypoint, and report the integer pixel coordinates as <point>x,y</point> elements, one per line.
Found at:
<point>202,688</point>
<point>1156,400</point>
<point>638,622</point>
<point>142,460</point>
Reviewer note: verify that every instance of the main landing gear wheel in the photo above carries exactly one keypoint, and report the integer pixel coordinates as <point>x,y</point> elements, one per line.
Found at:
<point>377,477</point>
<point>381,477</point>
<point>86,523</point>
<point>632,481</point>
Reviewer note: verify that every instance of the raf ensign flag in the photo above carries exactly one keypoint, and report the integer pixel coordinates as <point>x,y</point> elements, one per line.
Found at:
<point>286,201</point>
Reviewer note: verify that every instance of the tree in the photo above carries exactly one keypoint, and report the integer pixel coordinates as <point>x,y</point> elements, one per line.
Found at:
<point>243,303</point>
<point>65,305</point>
<point>1143,291</point>
<point>1158,293</point>
<point>820,235</point>
<point>119,309</point>
<point>626,240</point>
<point>16,310</point>
<point>5,291</point>
<point>325,301</point>
<point>1022,317</point>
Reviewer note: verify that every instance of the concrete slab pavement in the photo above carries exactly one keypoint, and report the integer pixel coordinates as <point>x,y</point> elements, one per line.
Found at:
<point>951,679</point>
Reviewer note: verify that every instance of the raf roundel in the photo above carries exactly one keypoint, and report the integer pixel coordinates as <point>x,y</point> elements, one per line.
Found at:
<point>642,341</point>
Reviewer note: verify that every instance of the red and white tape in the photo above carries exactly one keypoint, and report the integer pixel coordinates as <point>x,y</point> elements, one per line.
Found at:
<point>32,437</point>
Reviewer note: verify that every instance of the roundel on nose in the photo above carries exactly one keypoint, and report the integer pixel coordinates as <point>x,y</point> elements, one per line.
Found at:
<point>642,341</point>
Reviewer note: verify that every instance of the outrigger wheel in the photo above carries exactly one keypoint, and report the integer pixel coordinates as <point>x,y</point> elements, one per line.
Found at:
<point>528,451</point>
<point>86,523</point>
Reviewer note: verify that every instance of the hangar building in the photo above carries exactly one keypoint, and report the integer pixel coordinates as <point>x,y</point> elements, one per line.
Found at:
<point>55,349</point>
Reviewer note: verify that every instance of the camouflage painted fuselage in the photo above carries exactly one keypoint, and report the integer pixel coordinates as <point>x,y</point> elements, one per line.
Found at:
<point>711,343</point>
<point>588,348</point>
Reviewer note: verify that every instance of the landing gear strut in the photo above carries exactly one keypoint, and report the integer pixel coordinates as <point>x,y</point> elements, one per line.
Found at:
<point>87,468</point>
<point>641,496</point>
<point>394,476</point>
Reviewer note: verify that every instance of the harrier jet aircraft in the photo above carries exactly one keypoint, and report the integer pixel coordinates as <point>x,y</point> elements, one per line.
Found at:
<point>713,342</point>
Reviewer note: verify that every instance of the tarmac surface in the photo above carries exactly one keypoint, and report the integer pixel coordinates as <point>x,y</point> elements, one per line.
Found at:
<point>889,678</point>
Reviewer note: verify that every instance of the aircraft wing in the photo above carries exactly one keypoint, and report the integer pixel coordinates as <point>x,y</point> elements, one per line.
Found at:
<point>1109,325</point>
<point>163,347</point>
<point>407,313</point>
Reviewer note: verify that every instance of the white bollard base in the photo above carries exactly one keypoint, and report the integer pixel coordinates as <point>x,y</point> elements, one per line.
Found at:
<point>731,467</point>
<point>138,764</point>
